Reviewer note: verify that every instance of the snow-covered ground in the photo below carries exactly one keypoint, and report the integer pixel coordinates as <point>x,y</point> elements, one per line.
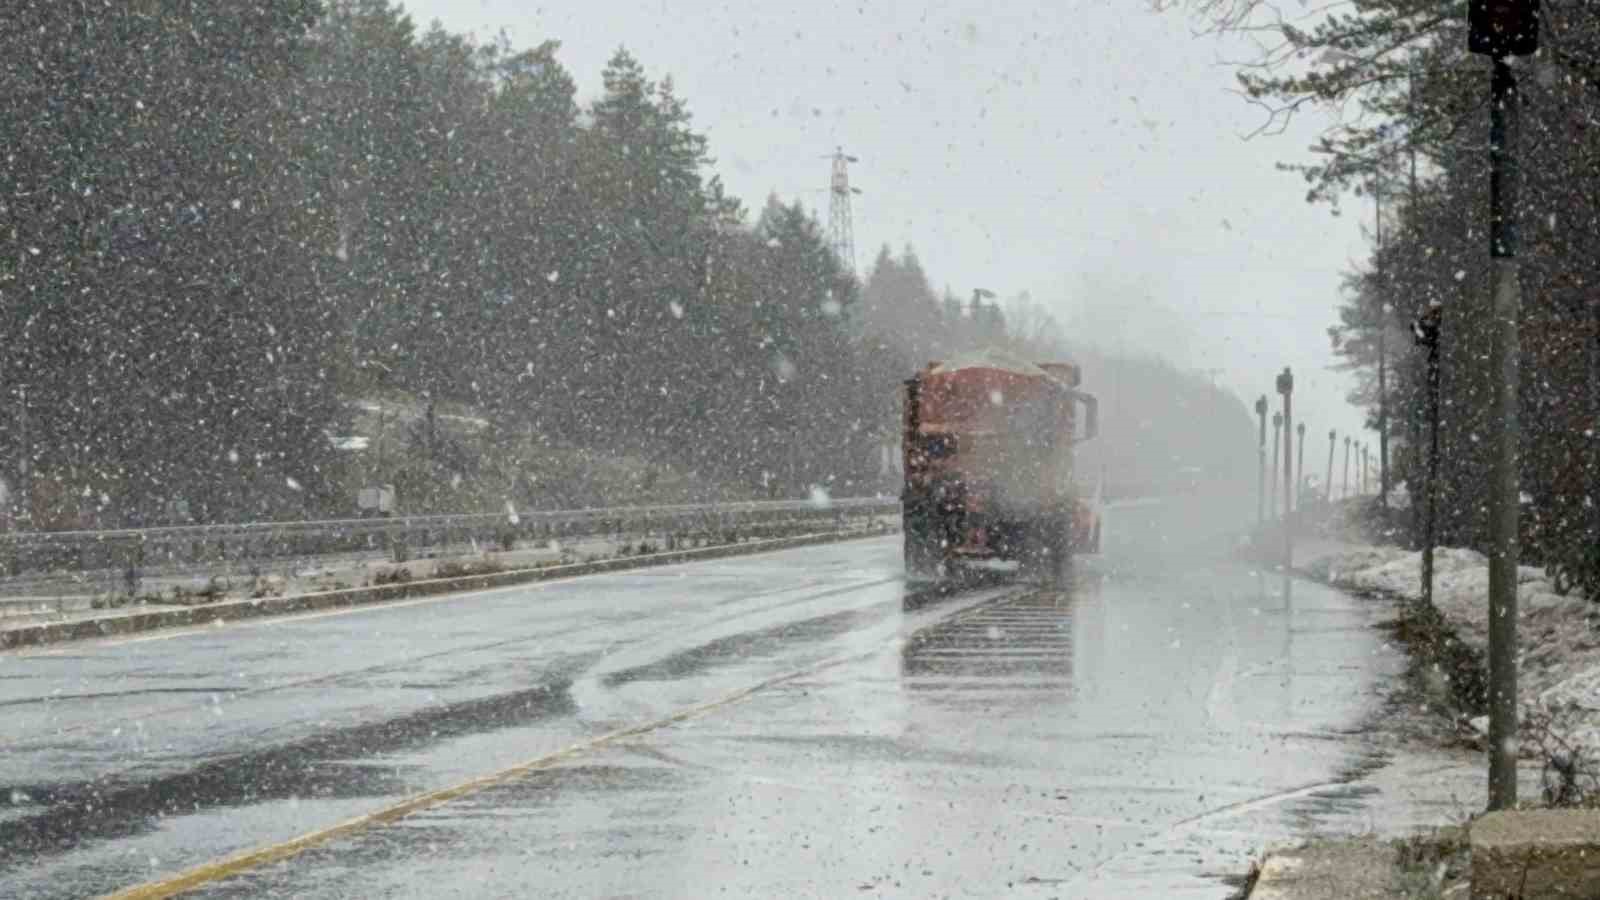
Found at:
<point>1558,637</point>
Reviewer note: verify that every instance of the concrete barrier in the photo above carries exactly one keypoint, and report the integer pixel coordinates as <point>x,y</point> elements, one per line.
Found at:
<point>234,610</point>
<point>1536,853</point>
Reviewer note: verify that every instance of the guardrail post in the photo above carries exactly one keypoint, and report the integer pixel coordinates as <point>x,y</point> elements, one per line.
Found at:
<point>397,545</point>
<point>133,575</point>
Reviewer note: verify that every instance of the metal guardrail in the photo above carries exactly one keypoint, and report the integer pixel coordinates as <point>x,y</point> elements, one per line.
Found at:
<point>63,552</point>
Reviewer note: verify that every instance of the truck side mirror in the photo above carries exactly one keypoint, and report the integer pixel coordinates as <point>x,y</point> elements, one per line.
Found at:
<point>1091,417</point>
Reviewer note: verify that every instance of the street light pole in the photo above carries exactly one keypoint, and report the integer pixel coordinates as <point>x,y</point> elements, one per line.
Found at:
<point>1286,388</point>
<point>1261,463</point>
<point>1300,468</point>
<point>1347,467</point>
<point>1277,432</point>
<point>1327,485</point>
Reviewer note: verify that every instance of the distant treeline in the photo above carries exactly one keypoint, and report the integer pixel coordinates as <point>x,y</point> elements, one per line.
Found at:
<point>220,224</point>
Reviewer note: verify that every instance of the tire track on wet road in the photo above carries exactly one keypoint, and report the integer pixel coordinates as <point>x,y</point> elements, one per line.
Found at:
<point>239,864</point>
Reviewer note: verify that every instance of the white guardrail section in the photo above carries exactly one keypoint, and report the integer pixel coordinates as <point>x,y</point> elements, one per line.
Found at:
<point>63,552</point>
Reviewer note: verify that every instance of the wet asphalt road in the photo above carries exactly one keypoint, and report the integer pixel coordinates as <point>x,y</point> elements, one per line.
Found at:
<point>1139,733</point>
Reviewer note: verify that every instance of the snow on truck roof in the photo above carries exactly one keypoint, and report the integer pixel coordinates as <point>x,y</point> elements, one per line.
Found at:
<point>992,358</point>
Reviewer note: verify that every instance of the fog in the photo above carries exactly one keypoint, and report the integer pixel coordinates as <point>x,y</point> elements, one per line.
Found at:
<point>1092,154</point>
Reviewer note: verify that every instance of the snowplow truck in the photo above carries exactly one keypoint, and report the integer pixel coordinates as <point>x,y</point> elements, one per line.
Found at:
<point>988,458</point>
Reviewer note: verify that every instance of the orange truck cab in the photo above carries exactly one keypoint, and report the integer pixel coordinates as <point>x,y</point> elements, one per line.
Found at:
<point>988,458</point>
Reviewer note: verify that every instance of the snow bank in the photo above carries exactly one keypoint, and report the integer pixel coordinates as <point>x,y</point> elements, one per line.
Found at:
<point>1559,637</point>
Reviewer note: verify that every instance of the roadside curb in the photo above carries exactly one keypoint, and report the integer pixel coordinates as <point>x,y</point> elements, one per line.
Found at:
<point>1339,870</point>
<point>235,610</point>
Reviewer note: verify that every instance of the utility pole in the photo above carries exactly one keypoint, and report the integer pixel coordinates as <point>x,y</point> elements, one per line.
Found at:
<point>1347,467</point>
<point>1327,486</point>
<point>1286,388</point>
<point>1277,432</point>
<point>1426,329</point>
<point>1500,30</point>
<point>1261,463</point>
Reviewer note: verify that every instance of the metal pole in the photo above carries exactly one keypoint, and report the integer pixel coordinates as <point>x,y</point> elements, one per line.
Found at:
<point>1277,433</point>
<point>1418,411</point>
<point>24,462</point>
<point>1414,213</point>
<point>1592,458</point>
<point>1429,333</point>
<point>1300,468</point>
<point>1503,512</point>
<point>1286,387</point>
<point>1347,467</point>
<point>1383,352</point>
<point>1261,463</point>
<point>1327,486</point>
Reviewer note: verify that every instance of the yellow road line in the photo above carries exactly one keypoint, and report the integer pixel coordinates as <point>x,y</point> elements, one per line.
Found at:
<point>208,873</point>
<point>217,870</point>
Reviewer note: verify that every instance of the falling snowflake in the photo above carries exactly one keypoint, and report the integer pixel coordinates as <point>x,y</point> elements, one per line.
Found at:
<point>676,308</point>
<point>292,483</point>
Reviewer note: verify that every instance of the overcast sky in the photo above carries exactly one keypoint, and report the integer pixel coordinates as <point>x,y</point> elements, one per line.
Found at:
<point>1085,151</point>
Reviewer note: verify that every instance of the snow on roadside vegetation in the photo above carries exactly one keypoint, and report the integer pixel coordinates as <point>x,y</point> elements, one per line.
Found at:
<point>1558,636</point>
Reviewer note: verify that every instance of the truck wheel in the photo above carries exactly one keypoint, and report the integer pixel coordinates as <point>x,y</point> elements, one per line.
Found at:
<point>923,549</point>
<point>1043,545</point>
<point>1060,544</point>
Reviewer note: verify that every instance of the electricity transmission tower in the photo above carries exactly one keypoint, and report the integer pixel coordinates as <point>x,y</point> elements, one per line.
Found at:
<point>841,233</point>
